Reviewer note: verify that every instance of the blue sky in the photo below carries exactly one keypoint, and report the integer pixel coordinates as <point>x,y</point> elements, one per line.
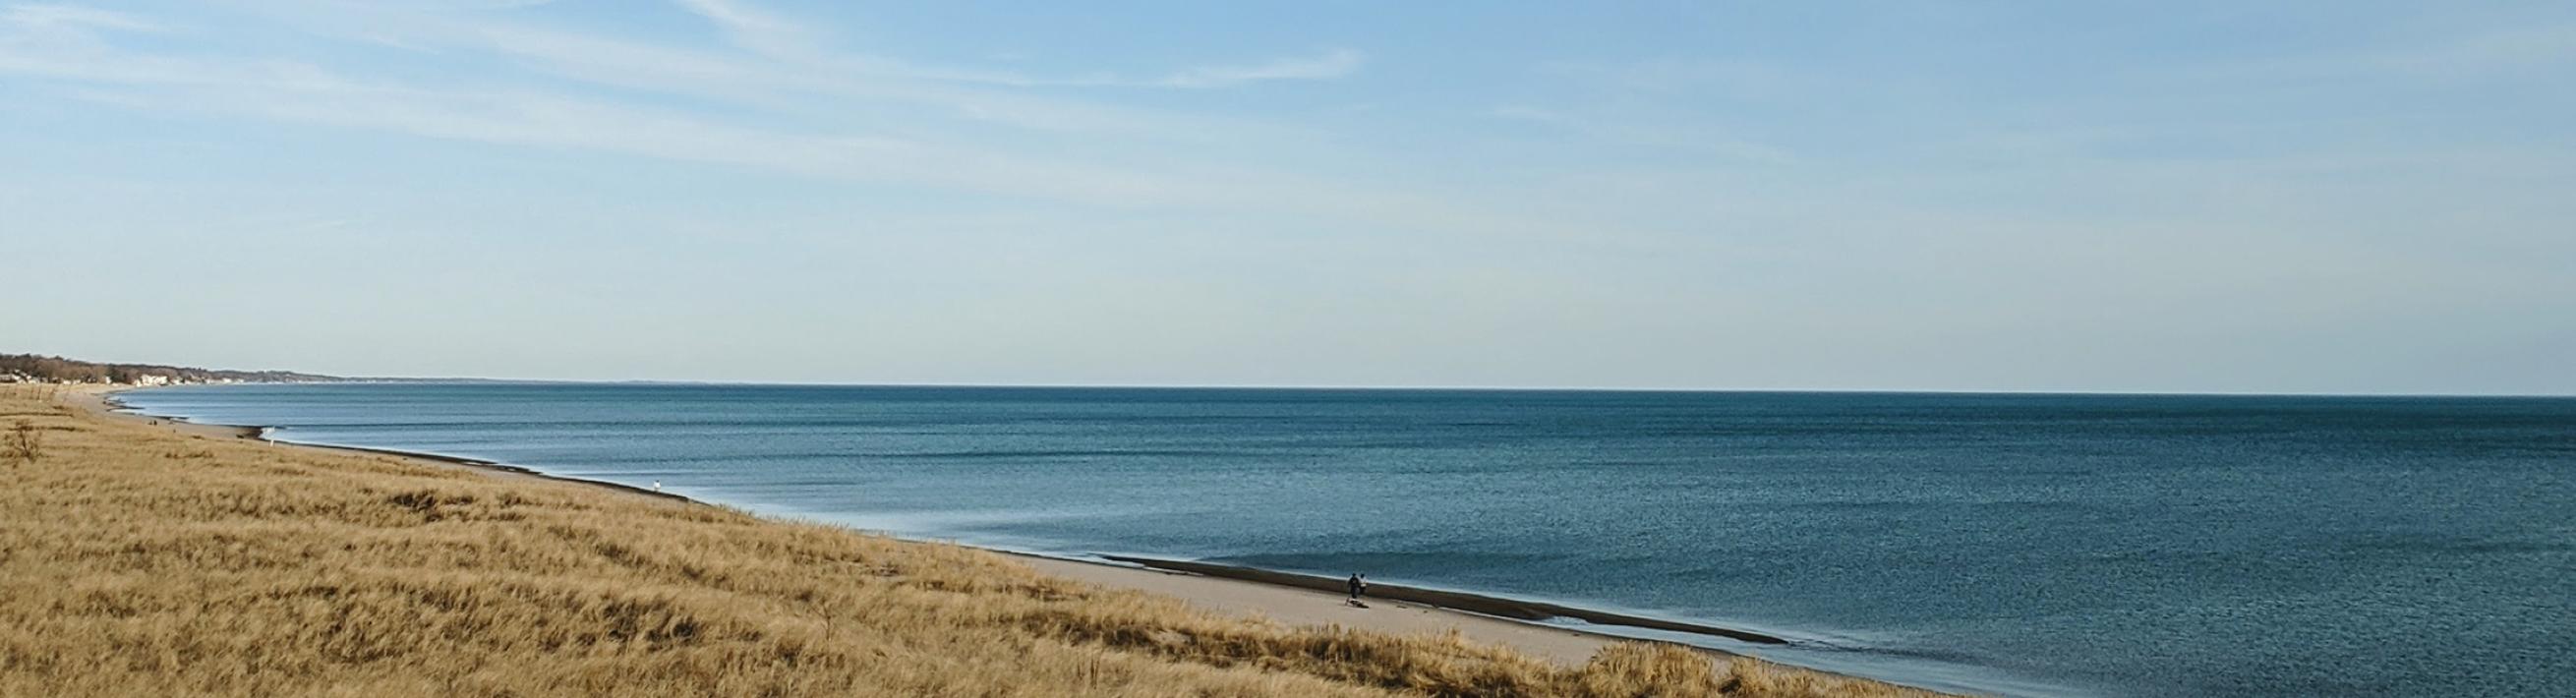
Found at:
<point>2170,196</point>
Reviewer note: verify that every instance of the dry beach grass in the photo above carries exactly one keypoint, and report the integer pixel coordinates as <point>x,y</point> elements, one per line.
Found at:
<point>137,560</point>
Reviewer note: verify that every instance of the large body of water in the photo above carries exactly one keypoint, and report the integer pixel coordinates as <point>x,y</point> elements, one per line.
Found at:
<point>2020,544</point>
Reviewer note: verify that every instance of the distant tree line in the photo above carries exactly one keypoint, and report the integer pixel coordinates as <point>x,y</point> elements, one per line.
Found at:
<point>56,369</point>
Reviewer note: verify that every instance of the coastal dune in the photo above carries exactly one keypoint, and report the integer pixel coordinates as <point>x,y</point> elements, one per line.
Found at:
<point>140,559</point>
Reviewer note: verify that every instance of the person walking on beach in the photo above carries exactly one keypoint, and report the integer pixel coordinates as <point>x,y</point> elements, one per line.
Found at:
<point>1359,585</point>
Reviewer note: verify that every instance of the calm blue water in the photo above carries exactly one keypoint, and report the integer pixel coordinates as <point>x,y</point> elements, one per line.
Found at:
<point>2031,544</point>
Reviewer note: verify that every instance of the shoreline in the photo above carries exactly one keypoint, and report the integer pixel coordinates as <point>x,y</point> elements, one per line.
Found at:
<point>1287,597</point>
<point>1480,604</point>
<point>105,403</point>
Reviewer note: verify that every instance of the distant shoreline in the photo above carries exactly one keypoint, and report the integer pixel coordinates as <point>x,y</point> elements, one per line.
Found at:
<point>106,403</point>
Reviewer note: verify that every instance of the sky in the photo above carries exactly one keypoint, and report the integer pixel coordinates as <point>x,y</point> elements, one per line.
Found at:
<point>2180,196</point>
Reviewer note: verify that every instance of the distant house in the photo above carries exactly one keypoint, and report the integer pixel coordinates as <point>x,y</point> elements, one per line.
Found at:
<point>151,379</point>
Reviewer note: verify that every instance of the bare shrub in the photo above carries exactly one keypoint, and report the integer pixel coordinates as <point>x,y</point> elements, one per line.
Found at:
<point>25,443</point>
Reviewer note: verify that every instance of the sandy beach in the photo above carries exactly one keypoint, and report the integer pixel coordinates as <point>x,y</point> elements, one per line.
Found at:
<point>1318,608</point>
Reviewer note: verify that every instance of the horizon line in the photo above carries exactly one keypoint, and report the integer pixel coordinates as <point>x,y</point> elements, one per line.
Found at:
<point>1445,388</point>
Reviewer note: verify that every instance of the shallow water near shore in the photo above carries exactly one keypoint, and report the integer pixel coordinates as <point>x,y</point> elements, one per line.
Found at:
<point>2019,544</point>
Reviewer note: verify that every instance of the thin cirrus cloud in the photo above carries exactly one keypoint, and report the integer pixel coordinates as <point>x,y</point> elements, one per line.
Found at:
<point>48,15</point>
<point>767,33</point>
<point>1331,64</point>
<point>81,46</point>
<point>752,27</point>
<point>783,65</point>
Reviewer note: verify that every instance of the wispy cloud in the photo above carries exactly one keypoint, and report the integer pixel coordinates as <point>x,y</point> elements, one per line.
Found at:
<point>311,95</point>
<point>752,27</point>
<point>784,70</point>
<point>769,33</point>
<point>46,15</point>
<point>41,44</point>
<point>1331,64</point>
<point>818,114</point>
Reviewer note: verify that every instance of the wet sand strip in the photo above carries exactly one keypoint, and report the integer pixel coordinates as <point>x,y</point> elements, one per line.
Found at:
<point>1471,603</point>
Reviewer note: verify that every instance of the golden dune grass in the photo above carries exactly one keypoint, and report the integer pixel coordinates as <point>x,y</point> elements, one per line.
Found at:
<point>136,560</point>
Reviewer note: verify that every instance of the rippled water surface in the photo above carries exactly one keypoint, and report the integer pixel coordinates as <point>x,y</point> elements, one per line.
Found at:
<point>2033,544</point>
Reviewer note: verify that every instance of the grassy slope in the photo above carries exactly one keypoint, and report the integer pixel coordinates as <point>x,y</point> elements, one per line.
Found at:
<point>139,561</point>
